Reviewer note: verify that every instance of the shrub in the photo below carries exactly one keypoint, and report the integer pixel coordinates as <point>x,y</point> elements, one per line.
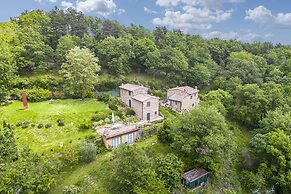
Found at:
<point>158,93</point>
<point>61,122</point>
<point>33,95</point>
<point>100,147</point>
<point>119,113</point>
<point>103,97</point>
<point>25,124</point>
<point>15,94</point>
<point>87,152</point>
<point>70,154</point>
<point>20,83</point>
<point>48,125</point>
<point>101,115</point>
<point>32,125</point>
<point>37,95</point>
<point>129,112</point>
<point>164,133</point>
<point>107,83</point>
<point>86,124</point>
<point>113,107</point>
<point>40,125</point>
<point>58,95</point>
<point>107,120</point>
<point>71,189</point>
<point>39,82</point>
<point>18,124</point>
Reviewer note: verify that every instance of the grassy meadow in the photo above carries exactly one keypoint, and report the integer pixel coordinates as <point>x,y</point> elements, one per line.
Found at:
<point>72,112</point>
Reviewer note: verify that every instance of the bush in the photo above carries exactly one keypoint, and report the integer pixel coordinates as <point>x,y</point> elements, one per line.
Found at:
<point>70,154</point>
<point>72,189</point>
<point>129,112</point>
<point>113,107</point>
<point>107,83</point>
<point>32,125</point>
<point>164,133</point>
<point>158,93</point>
<point>33,95</point>
<point>18,124</point>
<point>24,126</point>
<point>48,125</point>
<point>103,97</point>
<point>40,126</point>
<point>101,115</point>
<point>20,83</point>
<point>86,124</point>
<point>87,152</point>
<point>37,95</point>
<point>100,147</point>
<point>61,122</point>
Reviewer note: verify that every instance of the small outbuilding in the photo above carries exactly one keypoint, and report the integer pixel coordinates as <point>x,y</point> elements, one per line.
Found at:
<point>194,178</point>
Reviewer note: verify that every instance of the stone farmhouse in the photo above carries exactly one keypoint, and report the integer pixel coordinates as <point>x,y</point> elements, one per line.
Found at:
<point>182,98</point>
<point>137,98</point>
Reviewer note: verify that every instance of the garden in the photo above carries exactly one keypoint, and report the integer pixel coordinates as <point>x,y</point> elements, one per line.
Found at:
<point>49,124</point>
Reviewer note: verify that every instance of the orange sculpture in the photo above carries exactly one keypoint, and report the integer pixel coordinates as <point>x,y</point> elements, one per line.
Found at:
<point>24,100</point>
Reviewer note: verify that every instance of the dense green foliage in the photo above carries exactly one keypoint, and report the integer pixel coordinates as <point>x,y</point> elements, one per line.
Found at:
<point>132,172</point>
<point>56,54</point>
<point>23,171</point>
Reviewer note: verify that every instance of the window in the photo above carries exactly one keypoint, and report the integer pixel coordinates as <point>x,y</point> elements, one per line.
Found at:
<point>148,104</point>
<point>193,105</point>
<point>129,93</point>
<point>156,113</point>
<point>148,116</point>
<point>191,97</point>
<point>116,142</point>
<point>130,138</point>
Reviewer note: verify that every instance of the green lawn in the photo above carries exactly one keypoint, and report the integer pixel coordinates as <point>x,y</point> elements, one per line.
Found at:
<point>71,111</point>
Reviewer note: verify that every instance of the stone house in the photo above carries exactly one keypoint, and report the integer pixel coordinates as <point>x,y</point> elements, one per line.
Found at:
<point>137,98</point>
<point>127,91</point>
<point>182,98</point>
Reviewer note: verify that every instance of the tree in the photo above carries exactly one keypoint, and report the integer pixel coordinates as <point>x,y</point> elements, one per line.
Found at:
<point>277,119</point>
<point>250,104</point>
<point>79,72</point>
<point>58,24</point>
<point>143,49</point>
<point>132,172</point>
<point>201,136</point>
<point>173,63</point>
<point>65,44</point>
<point>87,152</point>
<point>273,165</point>
<point>36,54</point>
<point>77,22</point>
<point>111,28</point>
<point>30,173</point>
<point>139,32</point>
<point>199,75</point>
<point>7,144</point>
<point>220,99</point>
<point>169,169</point>
<point>115,54</point>
<point>247,67</point>
<point>7,69</point>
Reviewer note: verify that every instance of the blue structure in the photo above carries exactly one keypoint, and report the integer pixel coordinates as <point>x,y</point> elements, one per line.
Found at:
<point>195,178</point>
